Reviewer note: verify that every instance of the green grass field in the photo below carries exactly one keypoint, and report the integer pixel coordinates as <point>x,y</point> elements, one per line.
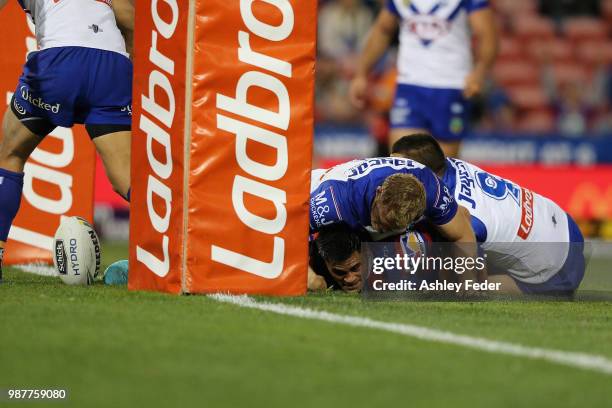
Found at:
<point>110,347</point>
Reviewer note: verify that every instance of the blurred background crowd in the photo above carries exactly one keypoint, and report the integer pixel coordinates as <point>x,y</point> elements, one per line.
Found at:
<point>552,75</point>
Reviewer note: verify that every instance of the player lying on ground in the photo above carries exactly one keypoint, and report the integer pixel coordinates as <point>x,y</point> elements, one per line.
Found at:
<point>386,195</point>
<point>81,73</point>
<point>335,256</point>
<point>525,234</point>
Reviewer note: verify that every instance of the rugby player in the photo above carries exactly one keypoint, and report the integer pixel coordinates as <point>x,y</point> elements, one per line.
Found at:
<point>81,73</point>
<point>436,74</point>
<point>388,195</point>
<point>525,234</point>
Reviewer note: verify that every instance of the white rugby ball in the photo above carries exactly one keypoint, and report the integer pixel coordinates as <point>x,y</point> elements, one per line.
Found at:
<point>76,250</point>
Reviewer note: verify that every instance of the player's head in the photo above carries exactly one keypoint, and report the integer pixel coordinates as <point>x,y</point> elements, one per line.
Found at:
<point>340,247</point>
<point>422,148</point>
<point>399,202</point>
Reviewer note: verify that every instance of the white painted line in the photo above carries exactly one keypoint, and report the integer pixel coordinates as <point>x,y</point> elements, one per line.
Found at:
<point>573,359</point>
<point>38,269</point>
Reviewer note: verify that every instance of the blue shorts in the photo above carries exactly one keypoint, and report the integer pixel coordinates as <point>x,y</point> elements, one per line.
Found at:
<point>445,113</point>
<point>567,280</point>
<point>68,85</point>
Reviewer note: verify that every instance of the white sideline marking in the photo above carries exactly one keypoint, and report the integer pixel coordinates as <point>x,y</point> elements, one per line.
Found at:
<point>38,269</point>
<point>573,359</point>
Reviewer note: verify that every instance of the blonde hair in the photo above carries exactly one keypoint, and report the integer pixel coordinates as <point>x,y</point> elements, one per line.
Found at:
<point>403,197</point>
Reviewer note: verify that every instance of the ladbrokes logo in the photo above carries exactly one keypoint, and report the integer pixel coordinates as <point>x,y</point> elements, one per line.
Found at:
<point>259,176</point>
<point>38,102</point>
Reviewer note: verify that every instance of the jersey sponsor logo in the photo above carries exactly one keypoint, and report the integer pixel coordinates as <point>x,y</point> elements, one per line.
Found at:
<point>446,201</point>
<point>430,25</point>
<point>324,208</point>
<point>428,28</point>
<point>38,102</point>
<point>366,166</point>
<point>466,184</point>
<point>20,109</point>
<point>526,214</point>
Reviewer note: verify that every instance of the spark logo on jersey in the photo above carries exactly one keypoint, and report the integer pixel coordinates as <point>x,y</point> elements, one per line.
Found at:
<point>38,102</point>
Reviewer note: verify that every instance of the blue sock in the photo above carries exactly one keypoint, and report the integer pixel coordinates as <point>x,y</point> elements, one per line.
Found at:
<point>11,185</point>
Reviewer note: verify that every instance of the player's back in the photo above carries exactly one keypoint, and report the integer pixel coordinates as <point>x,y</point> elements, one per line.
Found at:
<point>527,233</point>
<point>75,23</point>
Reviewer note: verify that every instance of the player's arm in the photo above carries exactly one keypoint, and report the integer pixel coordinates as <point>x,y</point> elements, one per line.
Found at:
<point>3,3</point>
<point>482,24</point>
<point>377,41</point>
<point>459,228</point>
<point>124,15</point>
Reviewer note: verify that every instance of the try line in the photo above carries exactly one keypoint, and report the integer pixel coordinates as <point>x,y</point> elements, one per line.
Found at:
<point>573,359</point>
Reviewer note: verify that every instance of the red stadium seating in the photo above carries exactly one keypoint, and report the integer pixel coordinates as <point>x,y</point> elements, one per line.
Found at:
<point>594,52</point>
<point>570,72</point>
<point>558,50</point>
<point>529,98</point>
<point>537,121</point>
<point>510,48</point>
<point>529,27</point>
<point>583,28</point>
<point>513,72</point>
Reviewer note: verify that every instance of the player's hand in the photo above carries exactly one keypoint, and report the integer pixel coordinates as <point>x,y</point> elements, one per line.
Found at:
<point>358,91</point>
<point>315,282</point>
<point>474,83</point>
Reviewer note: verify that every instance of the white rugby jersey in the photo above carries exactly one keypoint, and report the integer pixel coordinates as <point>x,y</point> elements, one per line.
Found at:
<point>435,41</point>
<point>516,225</point>
<point>75,23</point>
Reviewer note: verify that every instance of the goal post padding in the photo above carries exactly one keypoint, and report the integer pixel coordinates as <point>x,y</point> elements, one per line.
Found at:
<point>223,123</point>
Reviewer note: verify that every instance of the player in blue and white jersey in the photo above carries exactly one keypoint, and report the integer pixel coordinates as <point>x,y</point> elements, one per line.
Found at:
<point>436,71</point>
<point>525,234</point>
<point>386,194</point>
<point>81,73</point>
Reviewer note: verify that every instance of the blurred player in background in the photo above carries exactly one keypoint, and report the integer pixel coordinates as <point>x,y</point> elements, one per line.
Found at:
<point>436,75</point>
<point>81,73</point>
<point>525,234</point>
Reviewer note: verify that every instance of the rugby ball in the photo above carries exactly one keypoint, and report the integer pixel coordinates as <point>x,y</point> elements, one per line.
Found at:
<point>76,251</point>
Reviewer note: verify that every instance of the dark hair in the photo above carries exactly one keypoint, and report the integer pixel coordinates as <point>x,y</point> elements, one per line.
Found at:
<point>337,242</point>
<point>423,148</point>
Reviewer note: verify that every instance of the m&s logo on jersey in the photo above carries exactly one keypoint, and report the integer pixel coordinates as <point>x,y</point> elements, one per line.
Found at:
<point>323,208</point>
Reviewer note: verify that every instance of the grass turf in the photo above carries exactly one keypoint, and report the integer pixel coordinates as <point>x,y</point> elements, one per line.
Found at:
<point>111,347</point>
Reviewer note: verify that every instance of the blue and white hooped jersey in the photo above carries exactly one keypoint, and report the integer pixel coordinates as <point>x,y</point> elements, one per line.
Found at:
<point>435,41</point>
<point>515,224</point>
<point>75,23</point>
<point>344,193</point>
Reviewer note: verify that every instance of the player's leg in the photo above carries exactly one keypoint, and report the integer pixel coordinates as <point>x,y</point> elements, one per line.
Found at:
<point>114,150</point>
<point>108,116</point>
<point>507,285</point>
<point>449,115</point>
<point>18,143</point>
<point>406,116</point>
